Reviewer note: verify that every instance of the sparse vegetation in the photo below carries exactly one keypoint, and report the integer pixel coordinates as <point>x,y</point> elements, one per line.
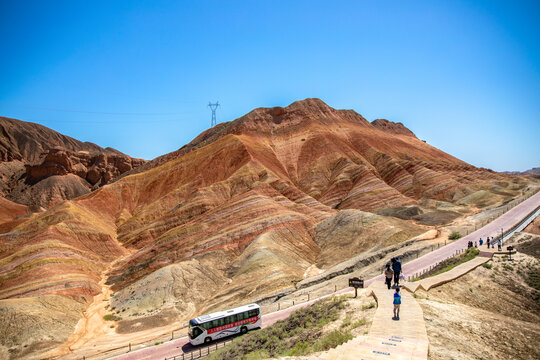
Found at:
<point>507,267</point>
<point>111,317</point>
<point>531,275</point>
<point>358,323</point>
<point>371,305</point>
<point>301,334</point>
<point>454,235</point>
<point>451,263</point>
<point>346,322</point>
<point>487,265</point>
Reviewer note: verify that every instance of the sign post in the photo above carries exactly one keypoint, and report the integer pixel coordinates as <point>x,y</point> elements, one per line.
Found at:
<point>356,283</point>
<point>510,249</point>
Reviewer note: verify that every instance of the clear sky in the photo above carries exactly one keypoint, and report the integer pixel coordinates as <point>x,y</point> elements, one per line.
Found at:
<point>137,75</point>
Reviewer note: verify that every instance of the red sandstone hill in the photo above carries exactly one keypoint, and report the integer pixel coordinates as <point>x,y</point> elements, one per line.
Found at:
<point>40,167</point>
<point>243,211</point>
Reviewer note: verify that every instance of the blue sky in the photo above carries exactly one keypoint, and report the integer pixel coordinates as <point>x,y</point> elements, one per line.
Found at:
<point>137,75</point>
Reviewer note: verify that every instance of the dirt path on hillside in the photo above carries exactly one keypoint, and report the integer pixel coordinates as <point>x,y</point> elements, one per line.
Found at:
<point>92,324</point>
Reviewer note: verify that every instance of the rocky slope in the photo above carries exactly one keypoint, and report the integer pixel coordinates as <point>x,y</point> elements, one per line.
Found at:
<point>498,306</point>
<point>31,153</point>
<point>247,209</point>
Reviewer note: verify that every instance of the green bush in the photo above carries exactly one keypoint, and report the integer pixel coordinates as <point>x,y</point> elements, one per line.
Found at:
<point>454,235</point>
<point>359,323</point>
<point>371,305</point>
<point>331,340</point>
<point>346,322</point>
<point>487,265</point>
<point>257,355</point>
<point>108,317</point>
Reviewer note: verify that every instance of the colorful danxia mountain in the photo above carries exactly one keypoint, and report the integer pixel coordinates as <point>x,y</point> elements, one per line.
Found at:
<point>246,210</point>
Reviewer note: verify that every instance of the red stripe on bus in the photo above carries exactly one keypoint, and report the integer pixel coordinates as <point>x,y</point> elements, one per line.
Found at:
<point>235,324</point>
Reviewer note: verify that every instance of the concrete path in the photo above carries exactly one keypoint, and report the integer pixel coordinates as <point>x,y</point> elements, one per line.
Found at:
<point>405,338</point>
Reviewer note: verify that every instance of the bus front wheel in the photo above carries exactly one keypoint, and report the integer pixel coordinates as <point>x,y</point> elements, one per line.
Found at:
<point>208,340</point>
<point>244,330</point>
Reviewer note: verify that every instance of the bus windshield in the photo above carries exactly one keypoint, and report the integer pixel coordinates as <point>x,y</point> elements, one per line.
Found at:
<point>194,331</point>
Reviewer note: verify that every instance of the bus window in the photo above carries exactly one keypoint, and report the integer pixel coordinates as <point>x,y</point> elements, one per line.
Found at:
<point>195,331</point>
<point>253,313</point>
<point>221,322</point>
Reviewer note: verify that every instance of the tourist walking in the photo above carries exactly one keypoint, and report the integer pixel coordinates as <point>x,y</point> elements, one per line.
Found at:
<point>397,303</point>
<point>396,267</point>
<point>388,275</point>
<point>480,241</point>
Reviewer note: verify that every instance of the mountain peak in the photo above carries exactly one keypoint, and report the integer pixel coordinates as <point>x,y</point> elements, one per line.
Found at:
<point>392,127</point>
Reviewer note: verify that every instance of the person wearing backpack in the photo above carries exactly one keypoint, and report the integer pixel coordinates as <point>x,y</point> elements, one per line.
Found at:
<point>396,267</point>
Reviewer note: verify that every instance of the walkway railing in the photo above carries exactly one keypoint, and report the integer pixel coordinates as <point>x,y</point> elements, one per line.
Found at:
<point>201,352</point>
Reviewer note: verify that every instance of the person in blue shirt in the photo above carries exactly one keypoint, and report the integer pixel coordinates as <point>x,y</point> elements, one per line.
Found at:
<point>397,303</point>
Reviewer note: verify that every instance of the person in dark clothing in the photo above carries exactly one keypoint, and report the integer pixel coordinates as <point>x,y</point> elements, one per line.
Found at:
<point>396,267</point>
<point>388,275</point>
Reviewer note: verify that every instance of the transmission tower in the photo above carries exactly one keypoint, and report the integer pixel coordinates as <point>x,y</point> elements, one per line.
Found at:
<point>213,107</point>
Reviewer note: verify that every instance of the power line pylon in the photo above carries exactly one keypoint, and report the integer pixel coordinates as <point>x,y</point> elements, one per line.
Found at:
<point>213,107</point>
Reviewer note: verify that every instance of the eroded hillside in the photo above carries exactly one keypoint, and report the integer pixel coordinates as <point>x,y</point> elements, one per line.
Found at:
<point>490,313</point>
<point>240,213</point>
<point>40,167</point>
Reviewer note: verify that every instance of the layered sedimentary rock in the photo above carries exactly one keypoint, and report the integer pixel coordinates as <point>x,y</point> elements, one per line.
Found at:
<point>240,213</point>
<point>40,167</point>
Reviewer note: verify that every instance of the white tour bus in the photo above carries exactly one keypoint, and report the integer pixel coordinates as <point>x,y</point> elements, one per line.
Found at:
<point>206,328</point>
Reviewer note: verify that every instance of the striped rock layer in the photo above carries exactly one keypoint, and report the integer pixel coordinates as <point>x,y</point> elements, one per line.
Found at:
<point>236,214</point>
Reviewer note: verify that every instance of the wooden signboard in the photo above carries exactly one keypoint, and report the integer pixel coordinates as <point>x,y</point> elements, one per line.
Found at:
<point>356,283</point>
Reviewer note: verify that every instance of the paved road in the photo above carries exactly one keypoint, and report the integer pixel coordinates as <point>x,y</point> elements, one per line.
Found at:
<point>508,220</point>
